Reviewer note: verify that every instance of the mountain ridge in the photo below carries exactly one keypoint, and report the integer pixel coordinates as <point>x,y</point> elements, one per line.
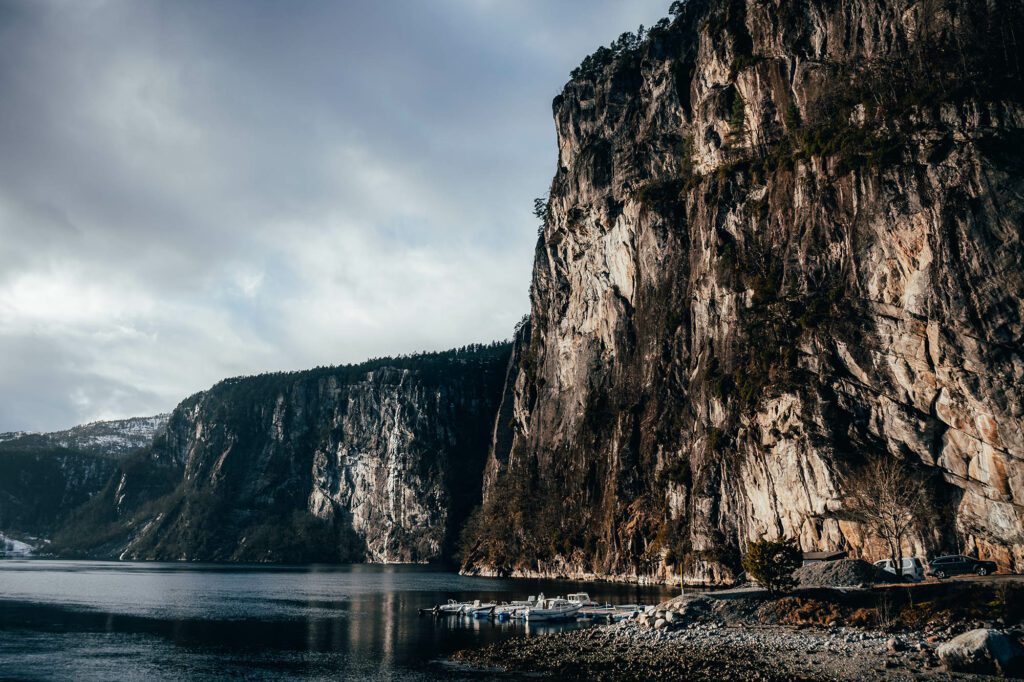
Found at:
<point>378,461</point>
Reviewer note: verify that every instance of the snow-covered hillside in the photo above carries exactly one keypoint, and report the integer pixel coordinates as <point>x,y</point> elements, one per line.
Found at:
<point>115,438</point>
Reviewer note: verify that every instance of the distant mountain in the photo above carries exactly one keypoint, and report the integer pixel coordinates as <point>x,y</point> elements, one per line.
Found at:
<point>115,438</point>
<point>378,462</point>
<point>44,476</point>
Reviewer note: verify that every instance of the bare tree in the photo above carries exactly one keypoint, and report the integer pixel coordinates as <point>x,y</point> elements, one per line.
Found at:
<point>890,500</point>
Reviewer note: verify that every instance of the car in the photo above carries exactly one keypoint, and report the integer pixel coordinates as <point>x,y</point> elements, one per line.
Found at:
<point>913,569</point>
<point>958,564</point>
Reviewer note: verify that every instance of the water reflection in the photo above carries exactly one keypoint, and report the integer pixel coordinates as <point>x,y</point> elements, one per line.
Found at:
<point>96,620</point>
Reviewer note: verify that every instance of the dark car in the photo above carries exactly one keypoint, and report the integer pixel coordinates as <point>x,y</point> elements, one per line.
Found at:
<point>957,564</point>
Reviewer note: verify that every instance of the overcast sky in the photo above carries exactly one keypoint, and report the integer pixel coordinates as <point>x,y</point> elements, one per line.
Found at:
<point>196,190</point>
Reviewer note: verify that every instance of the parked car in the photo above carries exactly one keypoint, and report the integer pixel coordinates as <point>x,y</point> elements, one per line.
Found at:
<point>913,569</point>
<point>957,564</point>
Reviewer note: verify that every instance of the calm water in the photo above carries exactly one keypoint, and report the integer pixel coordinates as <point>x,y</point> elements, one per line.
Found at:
<point>87,620</point>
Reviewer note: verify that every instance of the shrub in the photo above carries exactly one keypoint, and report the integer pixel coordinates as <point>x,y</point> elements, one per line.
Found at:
<point>793,120</point>
<point>799,611</point>
<point>772,562</point>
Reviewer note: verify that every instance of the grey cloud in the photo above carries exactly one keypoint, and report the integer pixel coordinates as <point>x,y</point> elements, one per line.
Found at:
<point>191,190</point>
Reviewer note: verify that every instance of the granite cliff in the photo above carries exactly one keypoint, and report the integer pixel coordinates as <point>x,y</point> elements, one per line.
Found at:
<point>377,462</point>
<point>782,237</point>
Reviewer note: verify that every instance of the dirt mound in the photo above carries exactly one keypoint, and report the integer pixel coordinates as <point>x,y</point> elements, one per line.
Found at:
<point>842,573</point>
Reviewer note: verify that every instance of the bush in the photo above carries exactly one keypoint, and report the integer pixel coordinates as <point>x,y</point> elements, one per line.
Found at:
<point>772,563</point>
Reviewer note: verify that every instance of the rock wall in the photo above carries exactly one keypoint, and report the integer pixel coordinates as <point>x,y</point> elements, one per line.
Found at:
<point>376,462</point>
<point>782,237</point>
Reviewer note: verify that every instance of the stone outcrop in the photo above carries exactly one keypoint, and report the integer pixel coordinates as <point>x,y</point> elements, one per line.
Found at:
<point>377,462</point>
<point>782,237</point>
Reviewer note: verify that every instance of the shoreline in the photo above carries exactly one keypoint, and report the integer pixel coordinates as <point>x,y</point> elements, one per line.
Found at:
<point>643,580</point>
<point>812,633</point>
<point>629,651</point>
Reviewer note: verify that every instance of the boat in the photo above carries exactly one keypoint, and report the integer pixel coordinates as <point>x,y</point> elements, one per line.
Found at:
<point>481,610</point>
<point>583,599</point>
<point>514,609</point>
<point>553,609</point>
<point>450,609</point>
<point>470,608</point>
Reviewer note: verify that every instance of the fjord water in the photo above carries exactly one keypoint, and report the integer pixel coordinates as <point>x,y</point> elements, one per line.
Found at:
<point>87,620</point>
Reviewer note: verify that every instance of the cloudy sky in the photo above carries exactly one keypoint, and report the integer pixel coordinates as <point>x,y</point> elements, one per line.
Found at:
<point>195,190</point>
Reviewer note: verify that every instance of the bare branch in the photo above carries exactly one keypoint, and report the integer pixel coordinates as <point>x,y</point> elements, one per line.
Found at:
<point>889,499</point>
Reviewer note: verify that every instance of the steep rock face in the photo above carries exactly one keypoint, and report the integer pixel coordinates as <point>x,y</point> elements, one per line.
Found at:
<point>374,462</point>
<point>782,237</point>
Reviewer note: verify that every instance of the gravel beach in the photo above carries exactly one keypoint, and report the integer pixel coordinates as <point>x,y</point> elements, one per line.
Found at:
<point>628,651</point>
<point>890,632</point>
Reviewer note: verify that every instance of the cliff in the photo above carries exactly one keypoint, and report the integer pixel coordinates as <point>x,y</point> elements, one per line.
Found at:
<point>782,237</point>
<point>373,462</point>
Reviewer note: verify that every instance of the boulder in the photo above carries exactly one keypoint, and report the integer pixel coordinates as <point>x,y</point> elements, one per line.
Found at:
<point>660,624</point>
<point>985,651</point>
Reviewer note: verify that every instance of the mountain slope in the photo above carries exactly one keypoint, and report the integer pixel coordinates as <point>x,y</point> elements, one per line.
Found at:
<point>44,476</point>
<point>114,438</point>
<point>781,238</point>
<point>373,462</point>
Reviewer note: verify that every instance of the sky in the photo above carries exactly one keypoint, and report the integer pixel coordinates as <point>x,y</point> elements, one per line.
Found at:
<point>196,190</point>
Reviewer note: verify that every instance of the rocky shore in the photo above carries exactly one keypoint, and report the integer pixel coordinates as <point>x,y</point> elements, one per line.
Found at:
<point>630,651</point>
<point>935,631</point>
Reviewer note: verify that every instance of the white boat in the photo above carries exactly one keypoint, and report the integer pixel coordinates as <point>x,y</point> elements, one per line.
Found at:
<point>470,608</point>
<point>583,599</point>
<point>451,608</point>
<point>519,613</point>
<point>551,610</point>
<point>509,610</point>
<point>506,611</point>
<point>480,610</point>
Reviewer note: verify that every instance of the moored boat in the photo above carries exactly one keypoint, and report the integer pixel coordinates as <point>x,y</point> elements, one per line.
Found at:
<point>583,599</point>
<point>471,608</point>
<point>450,609</point>
<point>552,610</point>
<point>506,611</point>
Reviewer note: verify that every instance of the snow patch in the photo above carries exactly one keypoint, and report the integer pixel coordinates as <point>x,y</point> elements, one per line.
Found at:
<point>9,547</point>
